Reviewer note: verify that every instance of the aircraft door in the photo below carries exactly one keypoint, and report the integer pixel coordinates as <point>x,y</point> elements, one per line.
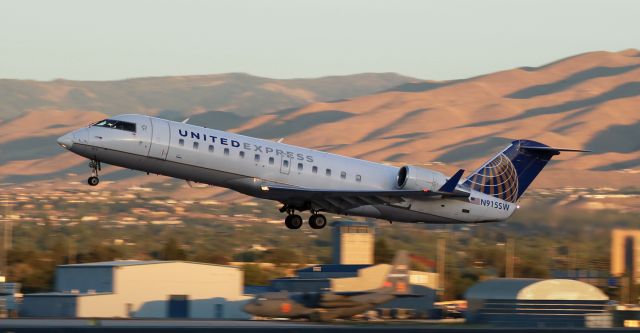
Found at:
<point>285,164</point>
<point>160,138</point>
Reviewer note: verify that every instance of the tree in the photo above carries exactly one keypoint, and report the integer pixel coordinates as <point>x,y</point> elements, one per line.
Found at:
<point>254,275</point>
<point>100,252</point>
<point>211,257</point>
<point>172,251</point>
<point>281,256</point>
<point>382,253</point>
<point>458,283</point>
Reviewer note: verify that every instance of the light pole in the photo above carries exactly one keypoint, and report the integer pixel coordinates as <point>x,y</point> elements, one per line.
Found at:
<point>441,266</point>
<point>510,250</point>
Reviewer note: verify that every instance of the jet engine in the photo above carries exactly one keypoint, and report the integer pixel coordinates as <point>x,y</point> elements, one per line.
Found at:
<point>415,178</point>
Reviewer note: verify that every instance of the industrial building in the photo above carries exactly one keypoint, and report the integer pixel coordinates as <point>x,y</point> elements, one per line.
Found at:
<point>141,289</point>
<point>537,302</point>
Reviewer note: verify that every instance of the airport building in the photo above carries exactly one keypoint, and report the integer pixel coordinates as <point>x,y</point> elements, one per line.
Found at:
<point>142,289</point>
<point>353,242</point>
<point>537,303</point>
<point>353,270</point>
<point>625,262</point>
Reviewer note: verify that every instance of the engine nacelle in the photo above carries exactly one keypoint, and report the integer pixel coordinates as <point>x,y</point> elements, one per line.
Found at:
<point>415,178</point>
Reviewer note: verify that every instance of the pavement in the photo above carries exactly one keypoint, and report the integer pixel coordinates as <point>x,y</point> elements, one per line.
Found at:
<point>37,325</point>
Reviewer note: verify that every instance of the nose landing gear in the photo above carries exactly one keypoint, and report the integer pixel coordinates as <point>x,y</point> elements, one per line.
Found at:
<point>95,167</point>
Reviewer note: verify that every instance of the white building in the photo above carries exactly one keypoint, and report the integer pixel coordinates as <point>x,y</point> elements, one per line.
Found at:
<point>142,289</point>
<point>537,303</point>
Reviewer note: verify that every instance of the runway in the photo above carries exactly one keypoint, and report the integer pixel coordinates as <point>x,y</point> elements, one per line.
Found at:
<point>214,326</point>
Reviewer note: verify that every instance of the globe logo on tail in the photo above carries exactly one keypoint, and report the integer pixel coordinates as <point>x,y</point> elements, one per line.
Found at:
<point>497,178</point>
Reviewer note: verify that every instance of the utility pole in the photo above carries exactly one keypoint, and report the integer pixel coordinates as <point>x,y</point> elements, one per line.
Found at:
<point>510,257</point>
<point>441,246</point>
<point>71,248</point>
<point>6,242</point>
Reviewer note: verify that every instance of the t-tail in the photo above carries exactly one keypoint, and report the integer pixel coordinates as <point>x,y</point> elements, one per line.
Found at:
<point>508,175</point>
<point>397,280</point>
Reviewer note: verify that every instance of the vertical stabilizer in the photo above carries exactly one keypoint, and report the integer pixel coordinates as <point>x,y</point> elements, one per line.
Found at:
<point>508,175</point>
<point>397,280</point>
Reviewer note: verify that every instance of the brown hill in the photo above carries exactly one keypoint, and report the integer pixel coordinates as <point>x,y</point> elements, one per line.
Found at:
<point>181,96</point>
<point>587,101</point>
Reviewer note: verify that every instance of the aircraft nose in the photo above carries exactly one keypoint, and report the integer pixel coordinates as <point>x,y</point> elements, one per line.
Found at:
<point>66,141</point>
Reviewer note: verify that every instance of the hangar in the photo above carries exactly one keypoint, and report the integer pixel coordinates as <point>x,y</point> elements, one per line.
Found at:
<point>536,302</point>
<point>141,289</point>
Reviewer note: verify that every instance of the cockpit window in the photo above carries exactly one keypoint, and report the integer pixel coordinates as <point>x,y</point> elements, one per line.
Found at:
<point>117,124</point>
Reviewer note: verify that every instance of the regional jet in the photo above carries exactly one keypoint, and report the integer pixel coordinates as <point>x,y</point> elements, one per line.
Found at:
<point>329,305</point>
<point>303,179</point>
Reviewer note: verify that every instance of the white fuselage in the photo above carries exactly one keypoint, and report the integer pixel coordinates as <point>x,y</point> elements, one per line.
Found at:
<point>245,164</point>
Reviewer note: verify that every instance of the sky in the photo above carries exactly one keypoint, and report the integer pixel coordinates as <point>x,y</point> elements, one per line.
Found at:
<point>436,40</point>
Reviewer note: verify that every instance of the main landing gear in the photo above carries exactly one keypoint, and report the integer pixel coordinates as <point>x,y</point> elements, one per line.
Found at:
<point>95,167</point>
<point>317,221</point>
<point>294,221</point>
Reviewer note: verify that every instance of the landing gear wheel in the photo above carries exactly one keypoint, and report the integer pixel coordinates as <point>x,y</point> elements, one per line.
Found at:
<point>293,221</point>
<point>317,221</point>
<point>95,166</point>
<point>93,181</point>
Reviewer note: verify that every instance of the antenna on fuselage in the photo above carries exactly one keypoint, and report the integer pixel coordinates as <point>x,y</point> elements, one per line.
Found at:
<point>185,121</point>
<point>280,140</point>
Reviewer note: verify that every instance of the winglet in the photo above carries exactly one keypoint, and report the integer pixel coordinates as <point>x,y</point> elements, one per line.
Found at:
<point>451,184</point>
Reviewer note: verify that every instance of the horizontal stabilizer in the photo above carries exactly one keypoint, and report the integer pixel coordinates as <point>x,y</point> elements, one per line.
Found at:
<point>451,184</point>
<point>552,150</point>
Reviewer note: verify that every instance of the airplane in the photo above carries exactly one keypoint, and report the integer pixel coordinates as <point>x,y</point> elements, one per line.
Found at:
<point>324,306</point>
<point>303,179</point>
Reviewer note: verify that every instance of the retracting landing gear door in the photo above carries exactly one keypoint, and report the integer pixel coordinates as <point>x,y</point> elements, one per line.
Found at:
<point>160,138</point>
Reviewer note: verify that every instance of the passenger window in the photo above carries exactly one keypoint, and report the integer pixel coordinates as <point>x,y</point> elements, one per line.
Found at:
<point>343,175</point>
<point>299,166</point>
<point>181,142</point>
<point>271,160</point>
<point>314,169</point>
<point>285,163</point>
<point>358,178</point>
<point>256,158</point>
<point>328,172</point>
<point>241,154</point>
<point>226,152</point>
<point>210,148</point>
<point>195,145</point>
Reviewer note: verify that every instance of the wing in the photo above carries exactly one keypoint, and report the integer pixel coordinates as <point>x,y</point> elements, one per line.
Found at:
<point>340,200</point>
